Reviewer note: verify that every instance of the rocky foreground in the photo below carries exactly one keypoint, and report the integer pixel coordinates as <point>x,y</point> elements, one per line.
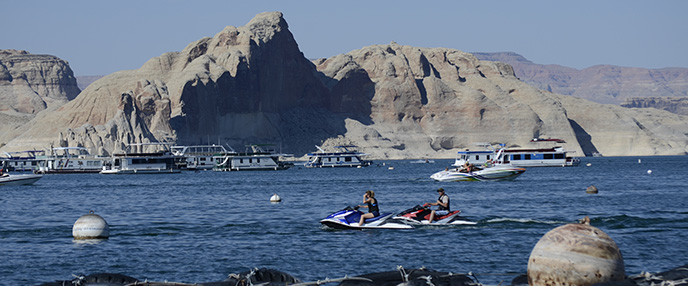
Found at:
<point>675,277</point>
<point>252,84</point>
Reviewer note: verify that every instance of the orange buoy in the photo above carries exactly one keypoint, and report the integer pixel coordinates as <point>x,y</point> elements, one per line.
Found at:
<point>575,255</point>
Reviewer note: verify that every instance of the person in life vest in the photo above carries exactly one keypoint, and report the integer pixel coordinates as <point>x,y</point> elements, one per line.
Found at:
<point>371,204</point>
<point>442,203</point>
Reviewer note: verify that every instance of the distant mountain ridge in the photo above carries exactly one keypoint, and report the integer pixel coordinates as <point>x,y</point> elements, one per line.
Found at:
<point>601,83</point>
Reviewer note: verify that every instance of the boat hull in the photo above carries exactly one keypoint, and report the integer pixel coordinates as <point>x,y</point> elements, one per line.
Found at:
<point>497,173</point>
<point>18,180</point>
<point>139,171</point>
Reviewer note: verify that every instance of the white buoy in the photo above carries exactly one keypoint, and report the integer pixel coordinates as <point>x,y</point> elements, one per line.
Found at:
<point>90,226</point>
<point>390,168</point>
<point>649,172</point>
<point>275,199</point>
<point>588,164</point>
<point>639,161</point>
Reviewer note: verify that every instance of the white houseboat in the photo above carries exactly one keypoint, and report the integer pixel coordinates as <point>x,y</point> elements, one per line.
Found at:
<point>254,158</point>
<point>21,161</point>
<point>540,157</point>
<point>344,157</point>
<point>140,162</point>
<point>197,157</point>
<point>70,160</point>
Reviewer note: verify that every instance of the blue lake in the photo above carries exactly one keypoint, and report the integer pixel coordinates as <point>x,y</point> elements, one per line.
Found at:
<point>200,227</point>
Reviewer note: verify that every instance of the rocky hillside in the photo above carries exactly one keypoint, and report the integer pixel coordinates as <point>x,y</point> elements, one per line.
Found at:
<point>30,84</point>
<point>601,83</point>
<point>252,84</point>
<point>678,105</point>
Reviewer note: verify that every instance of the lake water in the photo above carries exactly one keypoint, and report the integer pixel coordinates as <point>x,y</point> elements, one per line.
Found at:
<point>200,227</point>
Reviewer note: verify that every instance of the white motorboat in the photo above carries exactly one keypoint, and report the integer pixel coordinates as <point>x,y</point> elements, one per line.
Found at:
<point>158,162</point>
<point>493,173</point>
<point>344,157</point>
<point>19,179</point>
<point>255,158</point>
<point>496,170</point>
<point>70,160</point>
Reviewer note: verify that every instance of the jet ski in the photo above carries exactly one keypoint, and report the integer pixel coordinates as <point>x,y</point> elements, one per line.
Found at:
<point>419,215</point>
<point>349,217</point>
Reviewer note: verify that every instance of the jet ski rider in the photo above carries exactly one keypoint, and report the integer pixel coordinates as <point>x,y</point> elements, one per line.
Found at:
<point>371,204</point>
<point>442,203</point>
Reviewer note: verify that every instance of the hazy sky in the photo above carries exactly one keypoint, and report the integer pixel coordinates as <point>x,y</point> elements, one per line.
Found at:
<point>101,37</point>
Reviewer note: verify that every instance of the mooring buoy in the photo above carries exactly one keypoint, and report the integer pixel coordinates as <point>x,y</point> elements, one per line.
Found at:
<point>90,226</point>
<point>576,254</point>
<point>275,199</point>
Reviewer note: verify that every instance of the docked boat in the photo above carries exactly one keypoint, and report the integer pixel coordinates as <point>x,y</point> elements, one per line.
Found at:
<point>70,160</point>
<point>539,157</point>
<point>140,162</point>
<point>7,179</point>
<point>255,157</point>
<point>345,156</point>
<point>21,161</point>
<point>197,157</point>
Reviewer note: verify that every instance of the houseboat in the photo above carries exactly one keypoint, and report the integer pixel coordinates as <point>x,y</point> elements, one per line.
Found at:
<point>21,161</point>
<point>256,157</point>
<point>197,157</point>
<point>136,161</point>
<point>70,160</point>
<point>343,157</point>
<point>540,157</point>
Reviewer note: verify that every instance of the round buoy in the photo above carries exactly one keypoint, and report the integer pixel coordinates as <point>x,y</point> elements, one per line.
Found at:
<point>591,190</point>
<point>390,168</point>
<point>575,255</point>
<point>588,164</point>
<point>90,226</point>
<point>275,199</point>
<point>649,172</point>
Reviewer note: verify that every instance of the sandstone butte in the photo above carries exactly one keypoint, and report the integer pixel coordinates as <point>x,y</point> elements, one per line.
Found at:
<point>252,84</point>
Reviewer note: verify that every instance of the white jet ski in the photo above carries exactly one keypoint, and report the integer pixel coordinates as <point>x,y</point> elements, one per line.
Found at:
<point>349,217</point>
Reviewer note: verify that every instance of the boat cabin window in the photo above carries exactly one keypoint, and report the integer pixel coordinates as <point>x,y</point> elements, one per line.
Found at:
<point>527,156</point>
<point>347,159</point>
<point>477,157</point>
<point>559,156</point>
<point>548,156</point>
<point>516,157</point>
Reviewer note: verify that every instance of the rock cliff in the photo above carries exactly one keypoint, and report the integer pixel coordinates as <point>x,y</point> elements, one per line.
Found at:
<point>30,84</point>
<point>252,84</point>
<point>601,83</point>
<point>678,105</point>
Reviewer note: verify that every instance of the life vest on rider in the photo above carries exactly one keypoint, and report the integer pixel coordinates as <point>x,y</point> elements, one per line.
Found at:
<point>372,206</point>
<point>440,207</point>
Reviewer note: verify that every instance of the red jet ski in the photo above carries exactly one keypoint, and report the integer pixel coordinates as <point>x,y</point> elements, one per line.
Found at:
<point>419,215</point>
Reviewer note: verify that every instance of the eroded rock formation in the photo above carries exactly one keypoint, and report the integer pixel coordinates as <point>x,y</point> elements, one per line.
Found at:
<point>252,84</point>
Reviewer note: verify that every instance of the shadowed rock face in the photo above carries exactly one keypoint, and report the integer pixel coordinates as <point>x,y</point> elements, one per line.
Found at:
<point>252,84</point>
